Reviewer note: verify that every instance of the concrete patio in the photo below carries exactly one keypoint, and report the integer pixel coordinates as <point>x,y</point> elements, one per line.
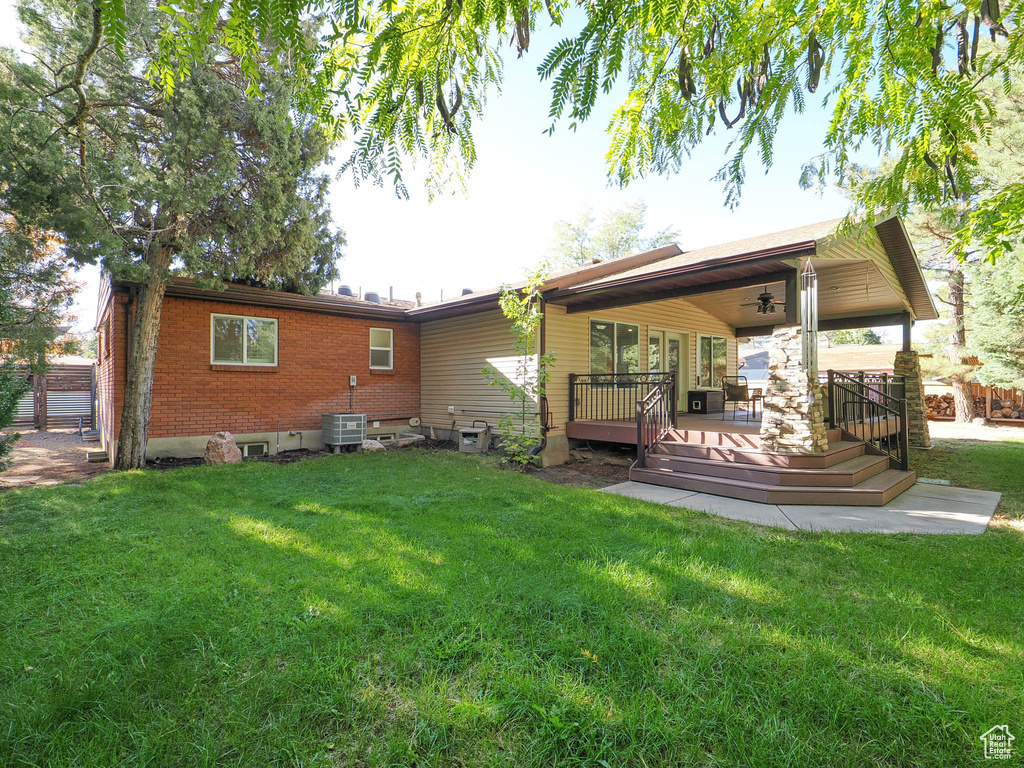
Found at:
<point>924,508</point>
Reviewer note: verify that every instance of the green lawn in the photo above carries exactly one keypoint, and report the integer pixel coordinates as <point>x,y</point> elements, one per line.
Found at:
<point>990,466</point>
<point>429,609</point>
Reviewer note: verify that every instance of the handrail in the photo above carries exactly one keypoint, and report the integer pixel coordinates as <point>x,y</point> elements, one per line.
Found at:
<point>861,410</point>
<point>655,417</point>
<point>611,396</point>
<point>881,384</point>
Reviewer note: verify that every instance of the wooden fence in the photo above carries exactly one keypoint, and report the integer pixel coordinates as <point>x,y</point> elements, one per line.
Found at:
<point>64,397</point>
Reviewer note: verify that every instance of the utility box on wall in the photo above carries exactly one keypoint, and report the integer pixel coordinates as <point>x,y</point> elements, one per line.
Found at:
<point>475,439</point>
<point>343,429</point>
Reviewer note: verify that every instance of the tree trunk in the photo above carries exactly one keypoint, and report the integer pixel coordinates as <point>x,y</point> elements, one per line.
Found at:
<point>138,391</point>
<point>963,398</point>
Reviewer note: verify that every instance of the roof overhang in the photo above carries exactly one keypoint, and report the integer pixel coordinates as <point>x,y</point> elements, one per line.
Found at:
<point>897,244</point>
<point>752,268</point>
<point>739,271</point>
<point>262,297</point>
<point>484,300</point>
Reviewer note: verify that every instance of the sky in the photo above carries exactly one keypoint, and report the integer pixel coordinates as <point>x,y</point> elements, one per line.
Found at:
<point>524,181</point>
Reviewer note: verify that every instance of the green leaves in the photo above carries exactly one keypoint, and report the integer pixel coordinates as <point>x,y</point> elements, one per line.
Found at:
<point>899,76</point>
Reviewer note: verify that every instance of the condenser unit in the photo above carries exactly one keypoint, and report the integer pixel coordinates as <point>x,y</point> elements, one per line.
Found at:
<point>343,429</point>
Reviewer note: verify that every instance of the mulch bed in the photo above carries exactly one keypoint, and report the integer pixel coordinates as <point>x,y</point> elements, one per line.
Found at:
<point>591,469</point>
<point>284,457</point>
<point>607,465</point>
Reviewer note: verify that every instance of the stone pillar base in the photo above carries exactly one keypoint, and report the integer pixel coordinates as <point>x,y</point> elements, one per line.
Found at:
<point>908,365</point>
<point>794,412</point>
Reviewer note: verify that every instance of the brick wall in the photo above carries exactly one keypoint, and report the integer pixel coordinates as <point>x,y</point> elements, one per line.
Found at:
<point>111,369</point>
<point>316,355</point>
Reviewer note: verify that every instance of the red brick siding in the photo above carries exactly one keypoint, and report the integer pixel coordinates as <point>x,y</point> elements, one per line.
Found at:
<point>110,370</point>
<point>316,355</point>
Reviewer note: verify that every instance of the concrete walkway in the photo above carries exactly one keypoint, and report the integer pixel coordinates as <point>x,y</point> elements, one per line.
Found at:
<point>924,508</point>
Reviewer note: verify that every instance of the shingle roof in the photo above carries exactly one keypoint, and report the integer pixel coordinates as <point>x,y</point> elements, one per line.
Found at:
<point>810,233</point>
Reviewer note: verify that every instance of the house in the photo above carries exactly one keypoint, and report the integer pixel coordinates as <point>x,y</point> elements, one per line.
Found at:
<point>664,322</point>
<point>267,385</point>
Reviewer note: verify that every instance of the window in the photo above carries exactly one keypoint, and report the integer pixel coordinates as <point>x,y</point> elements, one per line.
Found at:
<point>712,357</point>
<point>243,340</point>
<point>654,344</point>
<point>614,347</point>
<point>252,450</point>
<point>382,349</point>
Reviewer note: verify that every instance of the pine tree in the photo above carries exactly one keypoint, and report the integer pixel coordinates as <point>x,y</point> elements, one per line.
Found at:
<point>995,296</point>
<point>217,178</point>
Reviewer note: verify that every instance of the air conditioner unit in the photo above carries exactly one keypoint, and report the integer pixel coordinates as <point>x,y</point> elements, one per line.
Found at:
<point>343,429</point>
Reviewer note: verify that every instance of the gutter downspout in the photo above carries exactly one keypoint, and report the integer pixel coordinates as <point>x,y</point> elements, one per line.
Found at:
<point>543,404</point>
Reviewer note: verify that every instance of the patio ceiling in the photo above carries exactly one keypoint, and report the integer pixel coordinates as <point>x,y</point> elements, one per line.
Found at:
<point>846,289</point>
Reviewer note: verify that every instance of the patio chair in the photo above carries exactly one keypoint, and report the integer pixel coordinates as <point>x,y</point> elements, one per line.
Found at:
<point>736,392</point>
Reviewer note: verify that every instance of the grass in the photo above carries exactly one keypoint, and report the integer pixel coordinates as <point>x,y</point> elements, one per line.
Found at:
<point>428,609</point>
<point>989,466</point>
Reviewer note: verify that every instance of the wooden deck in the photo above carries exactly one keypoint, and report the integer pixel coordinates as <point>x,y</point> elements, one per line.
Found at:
<point>707,430</point>
<point>704,430</point>
<point>706,454</point>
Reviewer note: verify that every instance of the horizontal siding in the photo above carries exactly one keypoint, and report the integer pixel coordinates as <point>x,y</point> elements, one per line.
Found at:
<point>568,336</point>
<point>453,354</point>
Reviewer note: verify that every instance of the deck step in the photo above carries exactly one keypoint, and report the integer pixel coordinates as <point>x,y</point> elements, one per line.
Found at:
<point>876,491</point>
<point>726,438</point>
<point>836,453</point>
<point>850,472</point>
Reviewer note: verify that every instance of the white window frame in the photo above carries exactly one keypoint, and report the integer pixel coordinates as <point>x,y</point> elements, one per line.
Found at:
<point>390,349</point>
<point>700,357</point>
<point>245,340</point>
<point>615,343</point>
<point>264,444</point>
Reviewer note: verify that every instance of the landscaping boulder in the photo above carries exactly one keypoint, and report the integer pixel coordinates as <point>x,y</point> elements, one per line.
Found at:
<point>221,449</point>
<point>373,445</point>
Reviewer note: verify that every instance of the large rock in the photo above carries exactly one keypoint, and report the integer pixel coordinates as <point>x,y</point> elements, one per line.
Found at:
<point>221,449</point>
<point>373,445</point>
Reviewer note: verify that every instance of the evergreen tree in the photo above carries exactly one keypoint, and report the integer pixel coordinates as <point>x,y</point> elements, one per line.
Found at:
<point>217,178</point>
<point>36,291</point>
<point>996,302</point>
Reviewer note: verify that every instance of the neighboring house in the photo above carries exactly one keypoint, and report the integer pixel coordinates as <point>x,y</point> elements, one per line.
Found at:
<point>615,327</point>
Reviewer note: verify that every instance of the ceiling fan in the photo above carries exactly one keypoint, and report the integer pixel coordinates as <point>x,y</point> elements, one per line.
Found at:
<point>765,303</point>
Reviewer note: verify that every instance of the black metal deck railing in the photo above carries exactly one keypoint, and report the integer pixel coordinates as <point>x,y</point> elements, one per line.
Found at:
<point>866,411</point>
<point>884,383</point>
<point>614,396</point>
<point>655,417</point>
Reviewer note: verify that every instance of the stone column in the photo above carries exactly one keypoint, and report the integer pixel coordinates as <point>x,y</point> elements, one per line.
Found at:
<point>794,403</point>
<point>908,366</point>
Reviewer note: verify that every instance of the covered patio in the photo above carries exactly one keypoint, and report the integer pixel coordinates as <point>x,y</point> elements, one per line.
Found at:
<point>789,286</point>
